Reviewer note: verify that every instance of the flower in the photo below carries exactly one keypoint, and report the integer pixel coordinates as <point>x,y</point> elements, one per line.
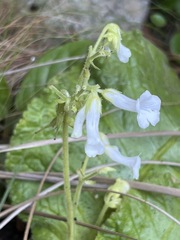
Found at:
<point>91,113</point>
<point>123,53</point>
<point>112,199</point>
<point>113,36</point>
<point>113,153</point>
<point>147,106</point>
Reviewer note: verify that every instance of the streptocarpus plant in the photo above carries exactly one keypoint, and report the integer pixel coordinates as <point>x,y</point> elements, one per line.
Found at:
<point>85,105</point>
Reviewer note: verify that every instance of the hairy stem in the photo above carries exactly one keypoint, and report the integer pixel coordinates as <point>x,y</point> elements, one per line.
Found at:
<point>67,185</point>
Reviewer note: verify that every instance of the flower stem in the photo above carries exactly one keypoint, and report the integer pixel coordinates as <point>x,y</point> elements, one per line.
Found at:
<point>67,186</point>
<point>101,215</point>
<point>92,54</point>
<point>80,185</point>
<point>101,36</point>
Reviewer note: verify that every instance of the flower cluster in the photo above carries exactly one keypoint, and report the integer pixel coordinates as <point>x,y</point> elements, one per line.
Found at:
<point>147,107</point>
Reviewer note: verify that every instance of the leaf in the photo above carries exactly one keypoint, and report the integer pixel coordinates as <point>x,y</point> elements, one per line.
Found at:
<point>147,69</point>
<point>38,78</point>
<point>5,98</point>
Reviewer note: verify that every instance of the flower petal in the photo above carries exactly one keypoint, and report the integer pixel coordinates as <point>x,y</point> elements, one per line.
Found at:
<point>113,152</point>
<point>148,107</point>
<point>142,120</point>
<point>123,53</point>
<point>146,117</point>
<point>132,162</point>
<point>78,124</point>
<point>147,101</point>
<point>92,149</point>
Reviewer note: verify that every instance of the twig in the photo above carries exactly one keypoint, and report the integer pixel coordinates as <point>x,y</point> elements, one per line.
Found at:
<point>24,205</point>
<point>103,182</point>
<point>42,143</point>
<point>20,207</point>
<point>41,65</point>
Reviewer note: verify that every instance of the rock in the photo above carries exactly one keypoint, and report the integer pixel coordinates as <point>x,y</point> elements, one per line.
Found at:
<point>87,16</point>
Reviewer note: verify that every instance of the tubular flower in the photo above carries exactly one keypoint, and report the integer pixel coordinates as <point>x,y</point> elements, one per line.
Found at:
<point>147,106</point>
<point>113,153</point>
<point>91,113</point>
<point>114,38</point>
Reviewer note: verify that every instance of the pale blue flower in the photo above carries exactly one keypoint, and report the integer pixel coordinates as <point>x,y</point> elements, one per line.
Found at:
<point>147,106</point>
<point>113,153</point>
<point>91,113</point>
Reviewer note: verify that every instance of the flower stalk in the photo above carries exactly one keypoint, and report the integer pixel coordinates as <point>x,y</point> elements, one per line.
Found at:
<point>67,185</point>
<point>85,106</point>
<point>80,185</point>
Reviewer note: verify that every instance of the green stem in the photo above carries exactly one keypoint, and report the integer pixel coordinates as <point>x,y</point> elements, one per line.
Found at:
<point>101,215</point>
<point>101,36</point>
<point>83,79</point>
<point>91,56</point>
<point>80,185</point>
<point>67,185</point>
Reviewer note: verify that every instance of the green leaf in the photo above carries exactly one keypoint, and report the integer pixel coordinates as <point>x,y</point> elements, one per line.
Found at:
<point>147,69</point>
<point>38,78</point>
<point>140,221</point>
<point>5,98</point>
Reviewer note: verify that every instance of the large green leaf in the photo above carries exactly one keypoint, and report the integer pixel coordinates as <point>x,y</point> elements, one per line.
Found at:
<point>38,78</point>
<point>147,69</point>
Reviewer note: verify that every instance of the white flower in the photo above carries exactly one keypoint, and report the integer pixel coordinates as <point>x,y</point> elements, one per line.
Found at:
<point>113,152</point>
<point>147,106</point>
<point>113,36</point>
<point>123,53</point>
<point>91,112</point>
